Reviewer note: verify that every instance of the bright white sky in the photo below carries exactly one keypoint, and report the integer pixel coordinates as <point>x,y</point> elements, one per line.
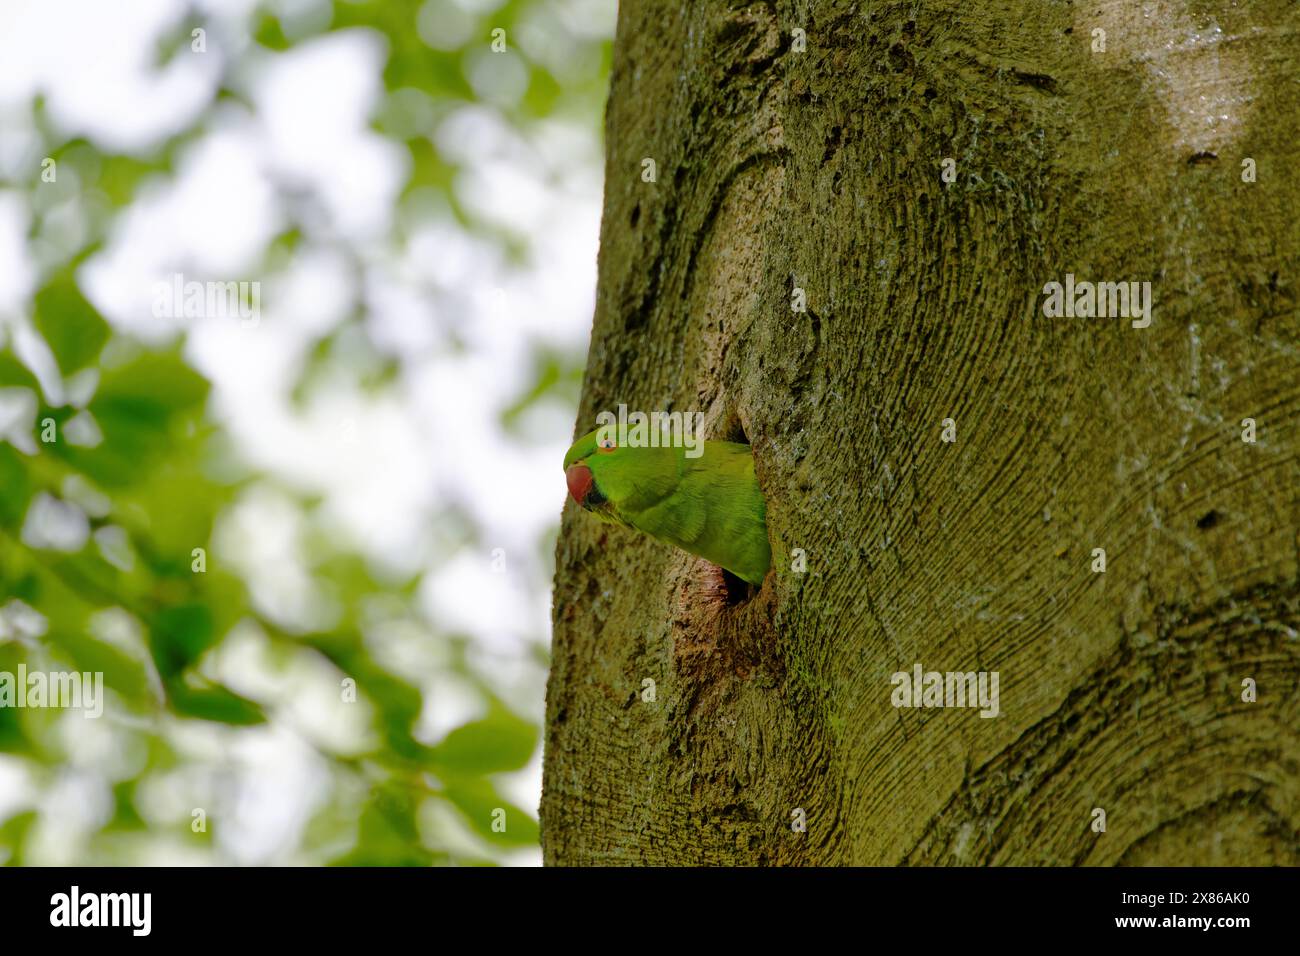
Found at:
<point>384,464</point>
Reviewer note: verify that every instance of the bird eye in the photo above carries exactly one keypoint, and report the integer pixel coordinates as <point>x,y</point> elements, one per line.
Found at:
<point>605,445</point>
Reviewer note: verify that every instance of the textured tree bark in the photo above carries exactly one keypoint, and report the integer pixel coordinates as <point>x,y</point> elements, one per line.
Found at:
<point>822,169</point>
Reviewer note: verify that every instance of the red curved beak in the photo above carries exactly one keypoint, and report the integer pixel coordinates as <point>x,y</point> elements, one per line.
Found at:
<point>579,479</point>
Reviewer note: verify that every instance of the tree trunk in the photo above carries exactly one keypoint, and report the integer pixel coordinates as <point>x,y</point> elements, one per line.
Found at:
<point>781,166</point>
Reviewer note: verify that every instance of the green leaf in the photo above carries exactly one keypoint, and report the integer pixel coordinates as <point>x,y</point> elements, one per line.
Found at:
<point>501,741</point>
<point>14,372</point>
<point>15,488</point>
<point>170,512</point>
<point>125,816</point>
<point>213,703</point>
<point>71,327</point>
<point>66,605</point>
<point>388,833</point>
<point>121,176</point>
<point>13,738</point>
<point>399,704</point>
<point>123,674</point>
<point>481,805</point>
<point>13,837</point>
<point>556,377</point>
<point>270,34</point>
<point>179,635</point>
<point>138,407</point>
<point>159,379</point>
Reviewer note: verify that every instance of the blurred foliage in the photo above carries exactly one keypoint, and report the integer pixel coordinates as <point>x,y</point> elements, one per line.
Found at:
<point>126,599</point>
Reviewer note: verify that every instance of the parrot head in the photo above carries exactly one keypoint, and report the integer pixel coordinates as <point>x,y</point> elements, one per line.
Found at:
<point>603,477</point>
<point>578,474</point>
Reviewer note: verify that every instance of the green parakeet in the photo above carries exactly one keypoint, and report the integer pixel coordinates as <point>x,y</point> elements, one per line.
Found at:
<point>710,505</point>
